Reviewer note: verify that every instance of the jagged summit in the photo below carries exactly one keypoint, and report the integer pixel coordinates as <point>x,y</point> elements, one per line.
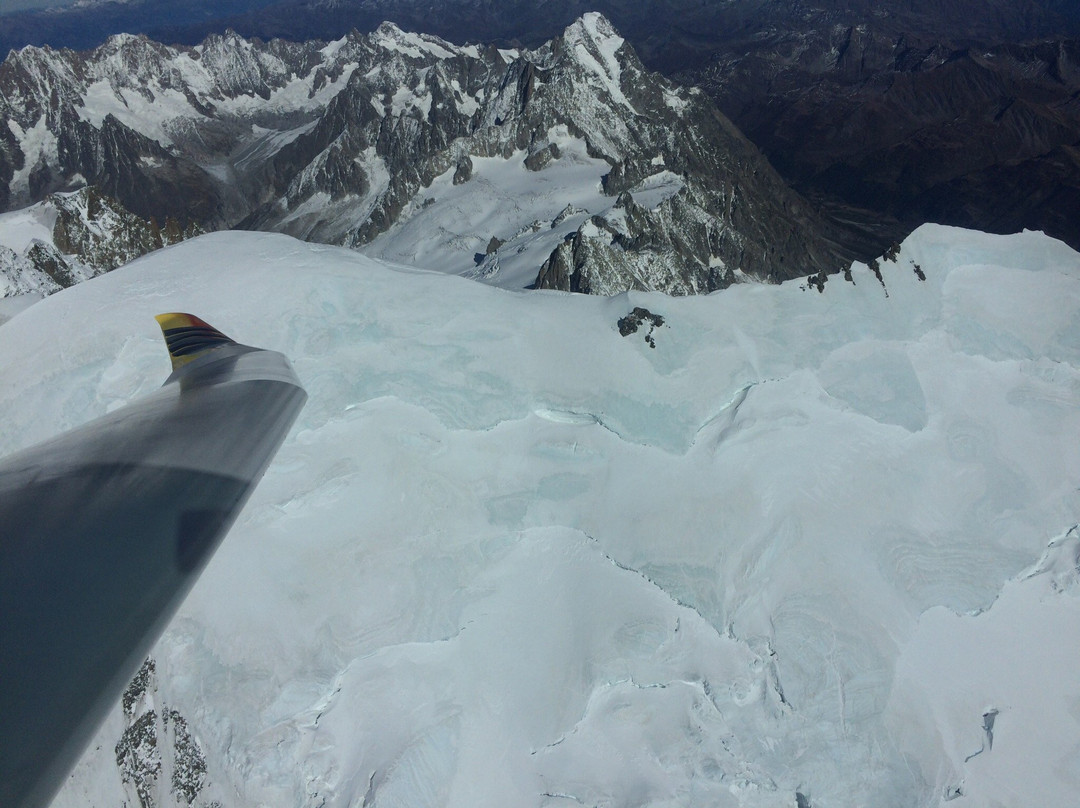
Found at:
<point>343,142</point>
<point>71,237</point>
<point>389,36</point>
<point>595,33</point>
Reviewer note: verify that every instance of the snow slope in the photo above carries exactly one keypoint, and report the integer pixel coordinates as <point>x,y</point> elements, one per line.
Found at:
<point>448,226</point>
<point>805,549</point>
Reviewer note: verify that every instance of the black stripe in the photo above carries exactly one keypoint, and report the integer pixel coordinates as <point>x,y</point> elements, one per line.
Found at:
<point>193,339</point>
<point>180,338</point>
<point>193,329</point>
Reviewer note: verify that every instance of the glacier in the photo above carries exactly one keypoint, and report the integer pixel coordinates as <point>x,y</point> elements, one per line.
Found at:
<point>801,548</point>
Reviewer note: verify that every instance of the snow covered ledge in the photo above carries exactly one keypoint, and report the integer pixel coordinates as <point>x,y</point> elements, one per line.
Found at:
<point>809,549</point>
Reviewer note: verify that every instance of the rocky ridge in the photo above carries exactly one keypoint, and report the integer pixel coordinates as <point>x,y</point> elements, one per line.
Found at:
<point>152,125</point>
<point>885,115</point>
<point>72,237</point>
<point>432,107</point>
<point>335,142</point>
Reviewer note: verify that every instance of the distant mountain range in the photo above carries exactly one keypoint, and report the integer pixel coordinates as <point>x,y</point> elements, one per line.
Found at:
<point>883,115</point>
<point>340,143</point>
<point>669,34</point>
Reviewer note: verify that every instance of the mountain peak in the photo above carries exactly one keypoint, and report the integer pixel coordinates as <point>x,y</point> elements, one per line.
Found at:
<point>340,144</point>
<point>594,33</point>
<point>594,25</point>
<point>593,43</point>
<point>118,43</point>
<point>124,38</point>
<point>388,36</point>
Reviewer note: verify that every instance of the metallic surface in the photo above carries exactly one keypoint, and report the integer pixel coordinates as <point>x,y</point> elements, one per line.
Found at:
<point>103,531</point>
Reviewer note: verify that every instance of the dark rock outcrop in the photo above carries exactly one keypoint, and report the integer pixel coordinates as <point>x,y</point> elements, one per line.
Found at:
<point>156,743</point>
<point>886,130</point>
<point>92,234</point>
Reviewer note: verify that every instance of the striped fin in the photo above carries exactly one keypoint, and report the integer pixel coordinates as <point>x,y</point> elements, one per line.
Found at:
<point>187,337</point>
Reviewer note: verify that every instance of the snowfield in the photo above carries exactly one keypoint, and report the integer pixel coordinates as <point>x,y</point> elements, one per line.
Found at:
<point>448,226</point>
<point>810,549</point>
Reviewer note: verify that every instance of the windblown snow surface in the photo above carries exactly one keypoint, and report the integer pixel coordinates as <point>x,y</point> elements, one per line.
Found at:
<point>813,549</point>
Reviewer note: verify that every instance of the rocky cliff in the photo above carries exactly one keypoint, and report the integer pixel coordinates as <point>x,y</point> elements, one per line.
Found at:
<point>71,237</point>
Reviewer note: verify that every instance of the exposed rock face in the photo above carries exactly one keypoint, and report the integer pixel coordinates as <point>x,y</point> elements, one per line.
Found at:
<point>47,259</point>
<point>641,318</point>
<point>160,762</point>
<point>333,143</point>
<point>90,234</point>
<point>150,125</point>
<point>399,125</point>
<point>884,114</point>
<point>98,232</point>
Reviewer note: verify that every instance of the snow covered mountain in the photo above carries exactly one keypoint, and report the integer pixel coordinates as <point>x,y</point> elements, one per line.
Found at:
<point>775,547</point>
<point>71,237</point>
<point>150,125</point>
<point>635,183</point>
<point>885,113</point>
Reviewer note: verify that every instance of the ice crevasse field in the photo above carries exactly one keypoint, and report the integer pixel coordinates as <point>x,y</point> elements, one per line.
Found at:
<point>814,549</point>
